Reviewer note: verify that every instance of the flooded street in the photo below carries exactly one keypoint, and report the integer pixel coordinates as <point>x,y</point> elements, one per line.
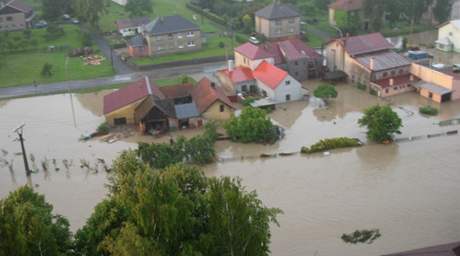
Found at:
<point>408,190</point>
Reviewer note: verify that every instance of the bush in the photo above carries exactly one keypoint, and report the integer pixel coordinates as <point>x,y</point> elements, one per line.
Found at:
<point>197,150</point>
<point>325,91</point>
<point>329,144</point>
<point>253,125</point>
<point>373,92</point>
<point>47,70</point>
<point>361,86</point>
<point>221,44</point>
<point>86,40</point>
<point>429,110</point>
<point>103,128</point>
<point>381,123</point>
<point>248,101</point>
<point>54,32</point>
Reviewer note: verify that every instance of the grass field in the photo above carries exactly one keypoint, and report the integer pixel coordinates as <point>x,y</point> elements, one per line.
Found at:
<point>160,7</point>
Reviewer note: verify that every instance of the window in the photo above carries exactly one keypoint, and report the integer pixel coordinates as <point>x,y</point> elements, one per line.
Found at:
<point>450,34</point>
<point>222,108</point>
<point>291,21</point>
<point>296,63</point>
<point>386,91</point>
<point>400,71</point>
<point>278,31</point>
<point>179,36</point>
<point>180,46</point>
<point>288,97</point>
<point>385,74</point>
<point>190,34</point>
<point>278,23</point>
<point>430,95</point>
<point>120,121</point>
<point>244,88</point>
<point>288,82</point>
<point>191,44</point>
<point>291,30</point>
<point>393,72</point>
<point>9,18</point>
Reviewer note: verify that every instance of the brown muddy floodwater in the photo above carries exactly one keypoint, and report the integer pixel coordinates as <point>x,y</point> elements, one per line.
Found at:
<point>408,190</point>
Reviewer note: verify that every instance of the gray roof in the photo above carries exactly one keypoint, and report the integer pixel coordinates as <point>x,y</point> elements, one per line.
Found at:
<point>170,24</point>
<point>432,88</point>
<point>277,11</point>
<point>185,111</point>
<point>452,249</point>
<point>383,60</point>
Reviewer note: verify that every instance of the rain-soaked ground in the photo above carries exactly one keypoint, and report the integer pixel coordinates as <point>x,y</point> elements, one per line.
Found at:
<point>408,190</point>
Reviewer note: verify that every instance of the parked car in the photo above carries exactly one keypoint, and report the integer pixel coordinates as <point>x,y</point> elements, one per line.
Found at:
<point>75,21</point>
<point>66,17</point>
<point>41,24</point>
<point>254,40</point>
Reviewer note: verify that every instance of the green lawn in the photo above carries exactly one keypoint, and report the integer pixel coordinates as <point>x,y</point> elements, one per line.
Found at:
<point>160,7</point>
<point>24,68</point>
<point>210,49</point>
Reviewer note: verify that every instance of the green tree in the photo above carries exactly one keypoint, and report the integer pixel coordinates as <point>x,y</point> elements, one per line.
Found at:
<point>175,211</point>
<point>47,70</point>
<point>89,11</point>
<point>374,10</point>
<point>381,122</point>
<point>325,91</point>
<point>247,23</point>
<point>54,9</point>
<point>253,125</point>
<point>442,10</point>
<point>139,7</point>
<point>29,227</point>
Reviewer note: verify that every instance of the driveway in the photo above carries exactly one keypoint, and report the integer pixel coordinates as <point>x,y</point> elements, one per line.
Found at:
<point>119,66</point>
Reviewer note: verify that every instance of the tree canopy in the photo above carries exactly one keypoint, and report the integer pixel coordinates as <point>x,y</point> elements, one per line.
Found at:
<point>29,227</point>
<point>175,211</point>
<point>325,91</point>
<point>253,125</point>
<point>381,122</point>
<point>54,9</point>
<point>89,11</point>
<point>139,7</point>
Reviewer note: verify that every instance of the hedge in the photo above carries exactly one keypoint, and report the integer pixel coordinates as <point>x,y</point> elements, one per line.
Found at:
<point>329,144</point>
<point>428,110</point>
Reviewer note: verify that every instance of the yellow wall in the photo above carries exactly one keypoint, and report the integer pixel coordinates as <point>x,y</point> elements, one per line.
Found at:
<point>425,93</point>
<point>213,112</point>
<point>125,112</point>
<point>432,76</point>
<point>332,17</point>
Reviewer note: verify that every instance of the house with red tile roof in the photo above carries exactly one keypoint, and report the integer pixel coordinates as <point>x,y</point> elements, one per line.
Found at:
<point>370,60</point>
<point>272,83</point>
<point>156,109</point>
<point>297,58</point>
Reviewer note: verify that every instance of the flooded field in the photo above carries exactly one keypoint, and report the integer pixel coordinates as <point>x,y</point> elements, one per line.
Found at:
<point>407,190</point>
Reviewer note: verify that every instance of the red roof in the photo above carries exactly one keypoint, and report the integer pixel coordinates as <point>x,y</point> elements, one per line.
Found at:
<point>363,44</point>
<point>398,80</point>
<point>133,22</point>
<point>347,5</point>
<point>269,74</point>
<point>206,93</point>
<point>177,91</point>
<point>239,74</point>
<point>130,94</point>
<point>290,49</point>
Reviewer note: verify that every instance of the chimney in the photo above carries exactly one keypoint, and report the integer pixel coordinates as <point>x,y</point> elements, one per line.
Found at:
<point>230,65</point>
<point>392,81</point>
<point>372,63</point>
<point>411,78</point>
<point>147,84</point>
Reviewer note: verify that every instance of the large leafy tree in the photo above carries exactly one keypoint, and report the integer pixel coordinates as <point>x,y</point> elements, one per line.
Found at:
<point>253,125</point>
<point>175,211</point>
<point>442,10</point>
<point>29,227</point>
<point>139,7</point>
<point>53,9</point>
<point>381,122</point>
<point>89,11</point>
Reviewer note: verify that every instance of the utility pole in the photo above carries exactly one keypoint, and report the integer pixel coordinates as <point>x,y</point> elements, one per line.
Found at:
<point>20,131</point>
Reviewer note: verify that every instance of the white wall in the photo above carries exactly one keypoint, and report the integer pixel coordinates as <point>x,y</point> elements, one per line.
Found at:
<point>453,33</point>
<point>294,89</point>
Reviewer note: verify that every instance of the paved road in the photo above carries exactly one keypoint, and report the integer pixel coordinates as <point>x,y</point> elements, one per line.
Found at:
<point>196,71</point>
<point>119,66</point>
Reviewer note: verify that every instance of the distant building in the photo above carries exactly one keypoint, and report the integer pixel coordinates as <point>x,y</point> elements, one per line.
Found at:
<point>343,9</point>
<point>121,2</point>
<point>172,34</point>
<point>132,26</point>
<point>292,55</point>
<point>451,249</point>
<point>278,21</point>
<point>449,36</point>
<point>370,60</point>
<point>15,15</point>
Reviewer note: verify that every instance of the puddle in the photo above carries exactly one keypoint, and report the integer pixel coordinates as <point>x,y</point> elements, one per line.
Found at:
<point>408,190</point>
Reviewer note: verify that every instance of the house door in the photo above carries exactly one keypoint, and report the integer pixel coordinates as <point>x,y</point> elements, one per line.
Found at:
<point>446,97</point>
<point>288,97</point>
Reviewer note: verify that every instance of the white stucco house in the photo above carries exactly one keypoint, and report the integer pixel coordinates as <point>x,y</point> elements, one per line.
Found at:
<point>131,27</point>
<point>120,2</point>
<point>449,36</point>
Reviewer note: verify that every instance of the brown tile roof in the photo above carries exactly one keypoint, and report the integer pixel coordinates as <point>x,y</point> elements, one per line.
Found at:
<point>363,44</point>
<point>347,5</point>
<point>130,94</point>
<point>206,93</point>
<point>18,5</point>
<point>451,249</point>
<point>133,22</point>
<point>177,91</point>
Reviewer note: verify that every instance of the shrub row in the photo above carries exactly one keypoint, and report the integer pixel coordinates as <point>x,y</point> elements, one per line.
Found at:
<point>428,110</point>
<point>211,16</point>
<point>329,144</point>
